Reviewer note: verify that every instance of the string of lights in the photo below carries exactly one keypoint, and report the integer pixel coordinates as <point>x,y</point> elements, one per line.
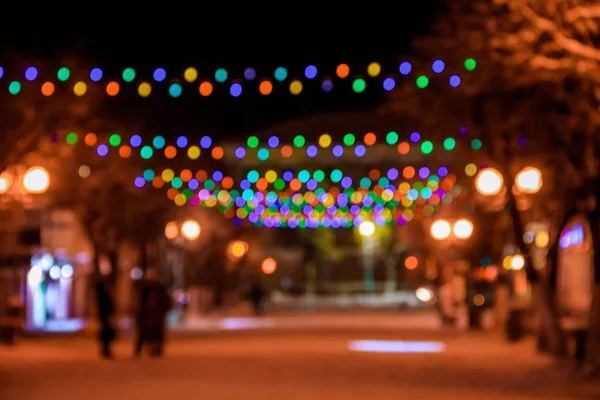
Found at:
<point>221,79</point>
<point>350,144</point>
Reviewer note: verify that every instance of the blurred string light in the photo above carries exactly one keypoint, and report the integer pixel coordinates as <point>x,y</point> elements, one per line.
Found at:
<point>308,199</point>
<point>347,145</point>
<point>280,77</point>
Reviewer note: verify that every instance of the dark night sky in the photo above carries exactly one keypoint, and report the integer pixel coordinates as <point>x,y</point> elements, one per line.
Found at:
<point>325,41</point>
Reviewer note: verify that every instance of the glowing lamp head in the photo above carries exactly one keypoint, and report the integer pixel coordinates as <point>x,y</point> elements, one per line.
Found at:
<point>440,229</point>
<point>366,228</point>
<point>5,182</point>
<point>171,230</point>
<point>238,249</point>
<point>489,182</point>
<point>424,294</point>
<point>190,230</point>
<point>517,262</point>
<point>268,266</point>
<point>463,228</point>
<point>529,180</point>
<point>36,180</point>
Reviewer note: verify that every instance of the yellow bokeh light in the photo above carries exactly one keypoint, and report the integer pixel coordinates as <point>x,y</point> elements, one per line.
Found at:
<point>507,262</point>
<point>190,74</point>
<point>440,229</point>
<point>144,89</point>
<point>271,176</point>
<point>194,152</point>
<point>325,140</point>
<point>489,182</point>
<point>238,248</point>
<point>471,170</point>
<point>366,228</point>
<point>295,87</point>
<point>80,88</point>
<point>180,200</point>
<point>542,239</point>
<point>168,175</point>
<point>171,230</point>
<point>190,230</point>
<point>374,69</point>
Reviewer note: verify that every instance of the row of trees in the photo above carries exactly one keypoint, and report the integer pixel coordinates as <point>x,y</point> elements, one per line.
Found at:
<point>537,78</point>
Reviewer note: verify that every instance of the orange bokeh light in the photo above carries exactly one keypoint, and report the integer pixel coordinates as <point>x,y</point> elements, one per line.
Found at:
<point>157,182</point>
<point>186,175</point>
<point>201,175</point>
<point>268,266</point>
<point>265,87</point>
<point>91,139</point>
<point>408,172</point>
<point>206,88</point>
<point>217,153</point>
<point>411,262</point>
<point>227,182</point>
<point>342,71</point>
<point>403,148</point>
<point>170,152</point>
<point>125,151</point>
<point>370,139</point>
<point>48,89</point>
<point>295,184</point>
<point>286,151</point>
<point>112,89</point>
<point>374,174</point>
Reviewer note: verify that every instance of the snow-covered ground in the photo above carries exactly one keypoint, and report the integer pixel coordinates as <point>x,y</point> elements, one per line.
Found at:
<point>307,362</point>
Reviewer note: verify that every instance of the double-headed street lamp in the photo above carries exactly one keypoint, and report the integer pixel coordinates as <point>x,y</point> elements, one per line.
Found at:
<point>17,180</point>
<point>489,181</point>
<point>189,230</point>
<point>442,229</point>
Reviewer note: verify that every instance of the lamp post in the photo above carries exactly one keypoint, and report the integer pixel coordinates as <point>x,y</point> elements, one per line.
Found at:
<point>367,230</point>
<point>18,187</point>
<point>180,234</point>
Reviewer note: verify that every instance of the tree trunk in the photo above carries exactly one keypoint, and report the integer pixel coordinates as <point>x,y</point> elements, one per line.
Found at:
<point>543,300</point>
<point>113,258</point>
<point>593,342</point>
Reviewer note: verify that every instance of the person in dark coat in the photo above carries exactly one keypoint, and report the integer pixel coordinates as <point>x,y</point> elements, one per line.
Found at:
<point>154,304</point>
<point>257,296</point>
<point>106,308</point>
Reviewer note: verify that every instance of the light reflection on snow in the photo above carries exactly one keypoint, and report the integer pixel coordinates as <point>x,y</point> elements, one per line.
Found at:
<point>246,323</point>
<point>383,346</point>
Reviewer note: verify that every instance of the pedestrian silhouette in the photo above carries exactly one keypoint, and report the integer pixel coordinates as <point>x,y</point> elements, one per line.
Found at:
<point>154,303</point>
<point>107,333</point>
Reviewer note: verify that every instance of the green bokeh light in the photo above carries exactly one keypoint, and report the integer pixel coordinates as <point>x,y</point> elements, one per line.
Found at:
<point>422,82</point>
<point>449,143</point>
<point>426,147</point>
<point>128,74</point>
<point>391,138</point>
<point>470,64</point>
<point>252,142</point>
<point>63,74</point>
<point>359,85</point>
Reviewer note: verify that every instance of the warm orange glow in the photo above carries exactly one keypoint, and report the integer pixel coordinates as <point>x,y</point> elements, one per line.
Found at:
<point>171,230</point>
<point>206,88</point>
<point>295,184</point>
<point>112,89</point>
<point>374,174</point>
<point>238,248</point>
<point>403,148</point>
<point>342,71</point>
<point>170,152</point>
<point>269,266</point>
<point>172,193</point>
<point>190,230</point>
<point>262,184</point>
<point>227,182</point>
<point>286,151</point>
<point>91,139</point>
<point>125,151</point>
<point>201,175</point>
<point>408,172</point>
<point>186,175</point>
<point>217,153</point>
<point>370,139</point>
<point>411,262</point>
<point>48,89</point>
<point>157,182</point>
<point>265,87</point>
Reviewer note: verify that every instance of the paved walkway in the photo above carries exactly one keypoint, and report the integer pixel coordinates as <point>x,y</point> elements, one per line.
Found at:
<point>288,364</point>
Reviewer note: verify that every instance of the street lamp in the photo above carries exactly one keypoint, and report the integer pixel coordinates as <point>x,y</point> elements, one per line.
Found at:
<point>489,182</point>
<point>238,249</point>
<point>529,180</point>
<point>366,229</point>
<point>35,180</point>
<point>190,230</point>
<point>463,228</point>
<point>441,229</point>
